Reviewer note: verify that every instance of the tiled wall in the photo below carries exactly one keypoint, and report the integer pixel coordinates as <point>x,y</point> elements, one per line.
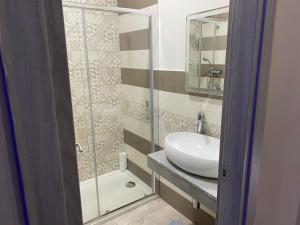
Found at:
<point>93,37</point>
<point>104,108</point>
<point>135,56</point>
<point>119,85</point>
<point>175,109</point>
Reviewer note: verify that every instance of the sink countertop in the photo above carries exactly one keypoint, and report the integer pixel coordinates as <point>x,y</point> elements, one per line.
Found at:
<point>202,189</point>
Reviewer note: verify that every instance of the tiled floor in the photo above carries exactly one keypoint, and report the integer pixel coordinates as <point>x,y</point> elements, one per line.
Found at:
<point>156,212</point>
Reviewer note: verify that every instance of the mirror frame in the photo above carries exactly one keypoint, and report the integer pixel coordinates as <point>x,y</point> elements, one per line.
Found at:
<point>190,17</point>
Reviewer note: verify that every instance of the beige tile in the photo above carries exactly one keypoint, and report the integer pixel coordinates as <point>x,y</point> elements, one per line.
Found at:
<point>156,212</point>
<point>129,23</point>
<point>137,127</point>
<point>138,59</point>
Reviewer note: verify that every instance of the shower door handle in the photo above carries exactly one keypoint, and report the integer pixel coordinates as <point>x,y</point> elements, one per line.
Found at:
<point>78,147</point>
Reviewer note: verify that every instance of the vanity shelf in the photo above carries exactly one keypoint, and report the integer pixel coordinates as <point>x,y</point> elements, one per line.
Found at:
<point>201,189</point>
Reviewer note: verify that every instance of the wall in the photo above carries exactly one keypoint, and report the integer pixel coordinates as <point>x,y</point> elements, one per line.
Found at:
<point>172,31</point>
<point>109,115</point>
<point>97,104</point>
<point>179,107</point>
<point>135,64</point>
<point>278,196</point>
<point>175,108</point>
<point>95,87</point>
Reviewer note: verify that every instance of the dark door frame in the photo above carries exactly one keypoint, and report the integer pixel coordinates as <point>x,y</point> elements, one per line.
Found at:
<point>35,71</point>
<point>35,61</point>
<point>246,87</point>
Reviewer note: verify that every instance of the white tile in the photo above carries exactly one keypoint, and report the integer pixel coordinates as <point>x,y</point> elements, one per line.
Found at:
<point>141,161</point>
<point>130,152</point>
<point>135,94</point>
<point>130,22</point>
<point>162,137</point>
<point>137,127</point>
<point>183,105</point>
<point>139,158</point>
<point>138,59</point>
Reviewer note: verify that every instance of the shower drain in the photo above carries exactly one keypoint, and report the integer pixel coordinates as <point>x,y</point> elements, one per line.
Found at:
<point>130,184</point>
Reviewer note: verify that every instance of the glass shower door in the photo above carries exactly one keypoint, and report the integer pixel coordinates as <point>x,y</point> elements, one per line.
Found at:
<point>119,55</point>
<point>109,53</point>
<point>82,114</point>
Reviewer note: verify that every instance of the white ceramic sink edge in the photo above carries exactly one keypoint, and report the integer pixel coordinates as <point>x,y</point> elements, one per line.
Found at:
<point>195,153</point>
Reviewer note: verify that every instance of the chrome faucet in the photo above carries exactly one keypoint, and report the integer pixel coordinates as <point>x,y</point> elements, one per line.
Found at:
<point>199,122</point>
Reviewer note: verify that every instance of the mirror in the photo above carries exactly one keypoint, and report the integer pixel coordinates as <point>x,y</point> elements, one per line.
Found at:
<point>206,51</point>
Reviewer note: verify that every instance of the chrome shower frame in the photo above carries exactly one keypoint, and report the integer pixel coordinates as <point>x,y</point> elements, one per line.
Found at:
<point>83,7</point>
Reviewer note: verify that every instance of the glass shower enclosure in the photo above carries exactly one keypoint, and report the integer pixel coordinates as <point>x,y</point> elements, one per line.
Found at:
<point>111,78</point>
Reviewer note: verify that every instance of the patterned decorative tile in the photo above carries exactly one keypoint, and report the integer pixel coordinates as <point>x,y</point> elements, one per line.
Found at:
<point>105,76</point>
<point>83,134</point>
<point>102,31</point>
<point>74,32</point>
<point>104,59</point>
<point>102,36</point>
<point>107,119</point>
<point>213,130</point>
<point>108,166</point>
<point>79,88</point>
<point>109,95</point>
<point>109,3</point>
<point>86,173</point>
<point>108,146</point>
<point>135,110</point>
<point>74,38</point>
<point>85,159</point>
<point>81,113</point>
<point>172,122</point>
<point>78,77</point>
<point>76,59</point>
<point>108,142</point>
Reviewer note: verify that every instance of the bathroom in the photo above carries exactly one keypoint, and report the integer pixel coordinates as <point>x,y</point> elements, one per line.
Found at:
<point>128,88</point>
<point>138,111</point>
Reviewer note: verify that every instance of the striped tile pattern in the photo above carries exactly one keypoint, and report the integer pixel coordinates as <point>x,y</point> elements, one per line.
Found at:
<point>135,64</point>
<point>177,110</point>
<point>118,66</point>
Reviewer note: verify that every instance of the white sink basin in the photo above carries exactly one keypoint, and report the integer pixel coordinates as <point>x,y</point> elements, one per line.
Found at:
<point>194,153</point>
